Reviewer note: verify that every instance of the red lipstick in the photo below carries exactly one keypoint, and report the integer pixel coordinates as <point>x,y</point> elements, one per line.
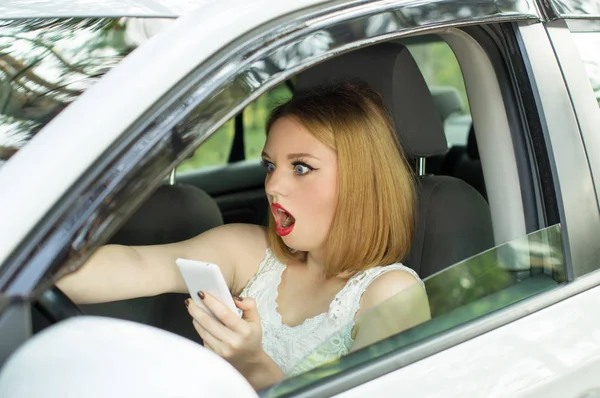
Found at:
<point>283,219</point>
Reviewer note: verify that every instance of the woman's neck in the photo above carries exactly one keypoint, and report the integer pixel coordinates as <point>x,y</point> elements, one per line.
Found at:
<point>315,264</point>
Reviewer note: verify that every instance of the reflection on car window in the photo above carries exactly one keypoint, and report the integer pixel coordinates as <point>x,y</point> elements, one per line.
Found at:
<point>587,39</point>
<point>45,64</point>
<point>464,292</point>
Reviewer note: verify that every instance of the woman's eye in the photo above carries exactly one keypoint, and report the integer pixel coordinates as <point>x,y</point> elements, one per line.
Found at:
<point>301,169</point>
<point>268,165</point>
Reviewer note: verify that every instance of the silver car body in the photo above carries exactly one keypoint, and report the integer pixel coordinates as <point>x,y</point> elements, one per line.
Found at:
<point>520,351</point>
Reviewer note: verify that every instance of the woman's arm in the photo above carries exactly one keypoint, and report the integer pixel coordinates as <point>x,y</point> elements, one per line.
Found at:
<point>117,272</point>
<point>394,302</point>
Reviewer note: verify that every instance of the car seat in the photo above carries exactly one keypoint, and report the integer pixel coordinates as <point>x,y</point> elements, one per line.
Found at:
<point>171,214</point>
<point>464,163</point>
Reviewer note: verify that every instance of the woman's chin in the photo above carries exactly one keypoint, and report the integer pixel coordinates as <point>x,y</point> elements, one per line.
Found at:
<point>292,243</point>
<point>295,244</point>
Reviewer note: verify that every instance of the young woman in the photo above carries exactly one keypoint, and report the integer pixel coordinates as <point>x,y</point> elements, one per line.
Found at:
<point>342,213</point>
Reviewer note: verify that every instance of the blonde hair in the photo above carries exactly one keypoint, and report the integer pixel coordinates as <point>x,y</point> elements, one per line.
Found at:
<point>375,215</point>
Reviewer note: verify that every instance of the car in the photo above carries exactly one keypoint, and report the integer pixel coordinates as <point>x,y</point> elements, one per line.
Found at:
<point>159,140</point>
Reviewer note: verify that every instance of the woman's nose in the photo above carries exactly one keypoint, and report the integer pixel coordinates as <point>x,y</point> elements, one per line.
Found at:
<point>275,184</point>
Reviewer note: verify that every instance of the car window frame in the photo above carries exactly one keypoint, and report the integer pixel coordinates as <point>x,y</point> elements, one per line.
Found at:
<point>571,161</point>
<point>584,102</point>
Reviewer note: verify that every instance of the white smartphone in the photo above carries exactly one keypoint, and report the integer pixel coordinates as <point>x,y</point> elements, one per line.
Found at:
<point>207,277</point>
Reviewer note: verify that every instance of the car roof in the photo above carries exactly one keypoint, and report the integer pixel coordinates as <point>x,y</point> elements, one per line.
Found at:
<point>12,9</point>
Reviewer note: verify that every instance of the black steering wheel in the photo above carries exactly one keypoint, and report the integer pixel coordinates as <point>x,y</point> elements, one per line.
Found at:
<point>56,306</point>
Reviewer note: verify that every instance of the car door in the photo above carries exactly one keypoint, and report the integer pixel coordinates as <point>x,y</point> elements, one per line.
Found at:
<point>546,345</point>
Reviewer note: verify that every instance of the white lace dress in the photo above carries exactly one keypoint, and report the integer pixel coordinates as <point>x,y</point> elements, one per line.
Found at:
<point>290,346</point>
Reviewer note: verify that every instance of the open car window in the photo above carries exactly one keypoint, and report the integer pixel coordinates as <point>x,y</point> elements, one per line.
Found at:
<point>463,293</point>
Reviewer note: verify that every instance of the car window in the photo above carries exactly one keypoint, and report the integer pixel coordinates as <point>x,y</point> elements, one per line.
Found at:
<point>587,39</point>
<point>255,119</point>
<point>458,295</point>
<point>45,64</point>
<point>441,71</point>
<point>216,150</point>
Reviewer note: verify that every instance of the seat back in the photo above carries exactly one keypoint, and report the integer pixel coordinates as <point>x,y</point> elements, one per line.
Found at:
<point>453,220</point>
<point>466,165</point>
<point>171,214</point>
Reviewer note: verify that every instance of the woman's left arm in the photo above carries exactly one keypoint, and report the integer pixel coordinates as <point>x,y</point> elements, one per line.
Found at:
<point>394,302</point>
<point>238,340</point>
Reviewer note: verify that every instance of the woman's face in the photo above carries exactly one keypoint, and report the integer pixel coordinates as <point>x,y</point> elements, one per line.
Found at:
<point>301,184</point>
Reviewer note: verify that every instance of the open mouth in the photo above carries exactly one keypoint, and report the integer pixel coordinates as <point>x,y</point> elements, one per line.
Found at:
<point>283,219</point>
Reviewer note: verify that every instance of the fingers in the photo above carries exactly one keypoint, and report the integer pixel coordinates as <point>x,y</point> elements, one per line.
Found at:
<point>226,348</point>
<point>207,322</point>
<point>248,306</point>
<point>209,340</point>
<point>230,336</point>
<point>222,312</point>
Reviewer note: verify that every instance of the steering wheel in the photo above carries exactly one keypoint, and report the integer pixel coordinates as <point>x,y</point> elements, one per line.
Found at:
<point>56,306</point>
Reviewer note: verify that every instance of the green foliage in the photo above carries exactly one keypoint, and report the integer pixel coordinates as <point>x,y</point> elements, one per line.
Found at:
<point>440,67</point>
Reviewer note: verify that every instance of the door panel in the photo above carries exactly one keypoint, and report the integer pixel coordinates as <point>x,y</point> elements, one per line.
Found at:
<point>535,356</point>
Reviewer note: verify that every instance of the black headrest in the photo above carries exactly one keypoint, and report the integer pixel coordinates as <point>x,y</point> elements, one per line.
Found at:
<point>472,149</point>
<point>171,214</point>
<point>389,69</point>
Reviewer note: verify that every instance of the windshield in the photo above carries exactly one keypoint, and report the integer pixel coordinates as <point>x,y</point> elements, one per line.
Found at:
<point>45,64</point>
<point>462,293</point>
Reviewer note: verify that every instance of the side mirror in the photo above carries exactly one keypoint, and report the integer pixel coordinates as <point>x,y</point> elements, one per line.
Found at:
<point>100,357</point>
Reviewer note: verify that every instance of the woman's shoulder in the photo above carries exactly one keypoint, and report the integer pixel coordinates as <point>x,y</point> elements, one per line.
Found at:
<point>250,235</point>
<point>247,230</point>
<point>249,239</point>
<point>395,280</point>
<point>248,251</point>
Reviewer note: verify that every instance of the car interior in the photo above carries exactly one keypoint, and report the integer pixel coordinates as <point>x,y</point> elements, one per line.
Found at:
<point>469,196</point>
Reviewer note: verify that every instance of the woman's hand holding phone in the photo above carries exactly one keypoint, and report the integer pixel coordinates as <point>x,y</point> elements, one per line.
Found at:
<point>229,326</point>
<point>238,340</point>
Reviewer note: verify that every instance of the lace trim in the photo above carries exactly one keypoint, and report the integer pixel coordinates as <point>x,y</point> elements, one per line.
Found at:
<point>319,339</point>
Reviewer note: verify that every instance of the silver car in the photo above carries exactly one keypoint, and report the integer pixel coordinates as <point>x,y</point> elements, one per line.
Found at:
<point>122,124</point>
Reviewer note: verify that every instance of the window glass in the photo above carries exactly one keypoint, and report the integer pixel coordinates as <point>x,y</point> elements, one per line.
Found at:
<point>255,119</point>
<point>587,39</point>
<point>214,151</point>
<point>45,64</point>
<point>466,291</point>
<point>439,66</point>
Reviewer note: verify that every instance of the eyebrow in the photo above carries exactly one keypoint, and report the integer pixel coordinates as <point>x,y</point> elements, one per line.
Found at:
<point>292,155</point>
